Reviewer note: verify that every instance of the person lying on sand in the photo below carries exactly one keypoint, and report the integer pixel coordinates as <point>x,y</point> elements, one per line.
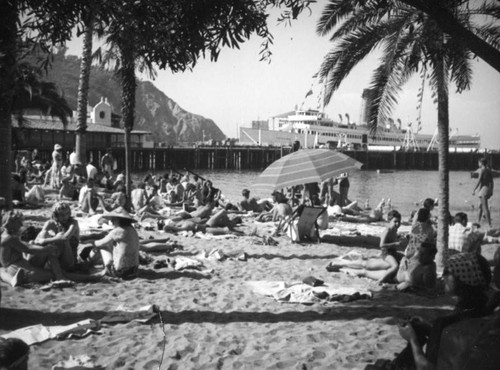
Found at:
<point>382,268</point>
<point>15,269</point>
<point>218,224</point>
<point>353,213</point>
<point>247,204</point>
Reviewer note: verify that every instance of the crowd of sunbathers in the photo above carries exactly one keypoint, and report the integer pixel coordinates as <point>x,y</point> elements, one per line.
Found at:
<point>188,203</point>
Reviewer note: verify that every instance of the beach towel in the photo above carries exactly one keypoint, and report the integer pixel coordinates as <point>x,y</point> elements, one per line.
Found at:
<point>181,263</point>
<point>298,292</point>
<point>79,362</point>
<point>40,333</point>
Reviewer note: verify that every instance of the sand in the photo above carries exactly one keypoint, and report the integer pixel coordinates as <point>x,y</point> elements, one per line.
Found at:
<point>212,320</point>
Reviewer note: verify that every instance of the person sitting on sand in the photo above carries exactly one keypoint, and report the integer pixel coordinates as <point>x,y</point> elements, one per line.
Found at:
<point>15,269</point>
<point>464,279</point>
<point>68,190</point>
<point>139,197</point>
<point>120,248</point>
<point>429,204</point>
<point>62,231</point>
<point>462,238</point>
<point>248,204</point>
<point>18,191</point>
<point>210,194</point>
<point>421,231</point>
<point>280,211</point>
<point>419,270</point>
<point>118,199</point>
<point>381,268</point>
<point>176,191</point>
<point>89,199</point>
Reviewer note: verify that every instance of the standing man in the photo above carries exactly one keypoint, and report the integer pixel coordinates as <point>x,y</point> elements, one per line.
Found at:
<point>107,162</point>
<point>343,189</point>
<point>57,160</point>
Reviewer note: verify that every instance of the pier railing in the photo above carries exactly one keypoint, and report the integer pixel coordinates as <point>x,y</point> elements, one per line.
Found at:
<point>258,158</point>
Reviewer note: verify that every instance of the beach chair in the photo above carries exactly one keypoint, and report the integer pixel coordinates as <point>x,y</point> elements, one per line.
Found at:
<point>303,226</point>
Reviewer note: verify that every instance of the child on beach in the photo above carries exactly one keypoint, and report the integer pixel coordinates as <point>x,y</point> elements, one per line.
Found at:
<point>15,269</point>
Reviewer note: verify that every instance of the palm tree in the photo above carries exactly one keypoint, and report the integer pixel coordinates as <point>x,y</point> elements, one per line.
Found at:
<point>83,88</point>
<point>409,41</point>
<point>31,92</point>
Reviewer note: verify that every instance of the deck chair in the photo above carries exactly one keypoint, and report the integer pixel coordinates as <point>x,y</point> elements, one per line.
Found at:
<point>302,225</point>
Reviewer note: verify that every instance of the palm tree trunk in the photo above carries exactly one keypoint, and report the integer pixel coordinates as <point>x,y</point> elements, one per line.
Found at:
<point>8,52</point>
<point>128,107</point>
<point>443,152</point>
<point>83,92</point>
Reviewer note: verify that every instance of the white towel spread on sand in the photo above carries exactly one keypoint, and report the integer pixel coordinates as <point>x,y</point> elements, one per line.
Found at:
<point>182,263</point>
<point>40,333</point>
<point>298,292</point>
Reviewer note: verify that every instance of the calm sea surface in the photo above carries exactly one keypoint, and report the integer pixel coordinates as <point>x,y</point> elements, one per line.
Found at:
<point>405,188</point>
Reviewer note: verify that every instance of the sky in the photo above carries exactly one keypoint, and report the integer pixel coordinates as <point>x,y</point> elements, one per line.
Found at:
<point>239,88</point>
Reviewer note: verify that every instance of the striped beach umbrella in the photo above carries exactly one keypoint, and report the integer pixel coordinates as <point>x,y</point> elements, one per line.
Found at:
<point>304,166</point>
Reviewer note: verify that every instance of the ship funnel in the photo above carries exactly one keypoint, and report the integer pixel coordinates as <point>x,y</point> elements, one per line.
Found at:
<point>399,123</point>
<point>341,118</point>
<point>348,119</point>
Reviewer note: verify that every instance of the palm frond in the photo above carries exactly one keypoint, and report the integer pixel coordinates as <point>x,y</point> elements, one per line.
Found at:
<point>487,8</point>
<point>458,61</point>
<point>333,13</point>
<point>489,33</point>
<point>349,51</point>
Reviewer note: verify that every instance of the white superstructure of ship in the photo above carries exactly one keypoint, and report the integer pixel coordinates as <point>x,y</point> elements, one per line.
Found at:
<point>313,128</point>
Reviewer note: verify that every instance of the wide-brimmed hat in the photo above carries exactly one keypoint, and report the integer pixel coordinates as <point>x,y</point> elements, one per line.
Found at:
<point>57,147</point>
<point>119,212</point>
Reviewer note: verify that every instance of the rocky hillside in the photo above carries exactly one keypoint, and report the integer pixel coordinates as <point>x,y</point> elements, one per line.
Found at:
<point>155,112</point>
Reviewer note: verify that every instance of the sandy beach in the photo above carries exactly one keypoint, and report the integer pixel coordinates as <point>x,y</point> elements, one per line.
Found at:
<point>210,318</point>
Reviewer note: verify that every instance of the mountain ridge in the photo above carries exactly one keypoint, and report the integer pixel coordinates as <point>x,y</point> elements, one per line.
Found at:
<point>155,112</point>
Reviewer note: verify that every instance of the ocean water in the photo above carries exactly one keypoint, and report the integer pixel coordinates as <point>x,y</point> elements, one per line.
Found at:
<point>406,189</point>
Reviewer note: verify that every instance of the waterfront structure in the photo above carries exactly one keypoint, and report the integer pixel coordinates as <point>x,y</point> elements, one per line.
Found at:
<point>103,131</point>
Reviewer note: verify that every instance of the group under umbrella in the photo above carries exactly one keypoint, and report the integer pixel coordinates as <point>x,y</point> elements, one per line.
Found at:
<point>305,166</point>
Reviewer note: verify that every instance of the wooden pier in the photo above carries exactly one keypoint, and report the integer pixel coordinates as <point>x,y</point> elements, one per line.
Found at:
<point>258,158</point>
